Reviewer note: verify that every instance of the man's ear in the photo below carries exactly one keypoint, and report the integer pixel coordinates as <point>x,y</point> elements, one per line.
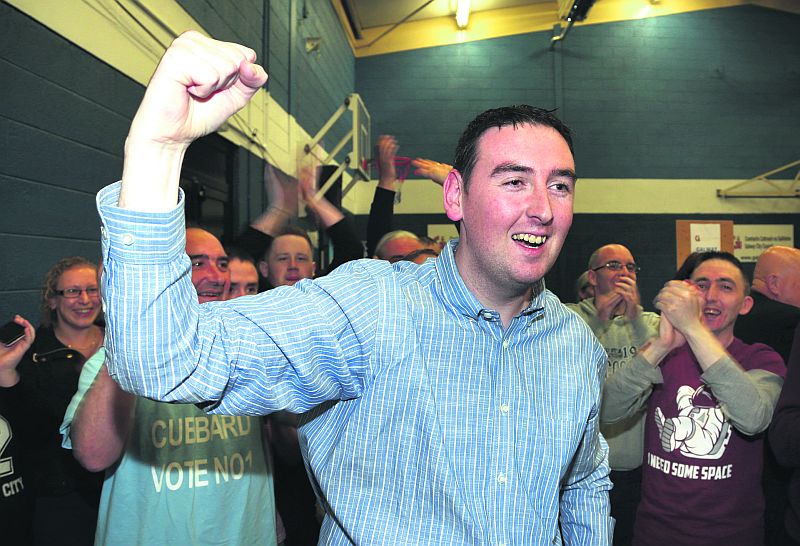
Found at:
<point>263,268</point>
<point>773,283</point>
<point>747,304</point>
<point>313,269</point>
<point>592,276</point>
<point>453,191</point>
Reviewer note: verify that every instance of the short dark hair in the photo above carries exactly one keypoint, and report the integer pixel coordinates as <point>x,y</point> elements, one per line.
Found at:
<point>291,229</point>
<point>521,114</point>
<point>235,253</point>
<point>694,260</point>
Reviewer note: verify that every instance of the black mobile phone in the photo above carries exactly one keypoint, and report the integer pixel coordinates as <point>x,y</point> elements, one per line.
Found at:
<point>10,333</point>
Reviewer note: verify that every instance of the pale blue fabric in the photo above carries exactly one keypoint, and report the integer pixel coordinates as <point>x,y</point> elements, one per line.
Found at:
<point>183,478</point>
<point>444,428</point>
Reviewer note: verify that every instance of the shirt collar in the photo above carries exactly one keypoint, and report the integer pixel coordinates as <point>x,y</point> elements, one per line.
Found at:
<point>456,294</point>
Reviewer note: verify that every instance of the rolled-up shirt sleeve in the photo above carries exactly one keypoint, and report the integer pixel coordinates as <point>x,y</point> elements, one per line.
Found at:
<point>292,348</point>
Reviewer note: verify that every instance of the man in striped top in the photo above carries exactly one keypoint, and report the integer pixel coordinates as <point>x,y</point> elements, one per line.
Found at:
<point>453,402</point>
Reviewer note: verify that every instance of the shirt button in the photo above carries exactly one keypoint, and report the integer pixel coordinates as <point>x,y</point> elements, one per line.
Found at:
<point>501,478</point>
<point>505,344</point>
<point>127,239</point>
<point>503,408</point>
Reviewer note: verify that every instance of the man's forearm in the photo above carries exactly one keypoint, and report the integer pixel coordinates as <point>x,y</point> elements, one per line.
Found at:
<point>102,424</point>
<point>705,346</point>
<point>627,389</point>
<point>346,244</point>
<point>748,398</point>
<point>645,326</point>
<point>379,222</point>
<point>151,305</point>
<point>150,176</point>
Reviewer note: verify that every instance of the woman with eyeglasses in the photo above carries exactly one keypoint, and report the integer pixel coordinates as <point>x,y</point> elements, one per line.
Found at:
<point>38,376</point>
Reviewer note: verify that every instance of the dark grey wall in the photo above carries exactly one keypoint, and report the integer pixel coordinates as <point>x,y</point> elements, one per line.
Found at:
<point>63,120</point>
<point>708,94</point>
<point>65,114</point>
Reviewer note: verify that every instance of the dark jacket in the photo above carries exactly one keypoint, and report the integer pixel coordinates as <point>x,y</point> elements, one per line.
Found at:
<point>35,406</point>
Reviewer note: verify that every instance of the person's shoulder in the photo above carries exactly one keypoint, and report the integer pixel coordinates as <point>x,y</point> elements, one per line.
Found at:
<point>567,315</point>
<point>757,356</point>
<point>584,308</point>
<point>401,271</point>
<point>379,274</point>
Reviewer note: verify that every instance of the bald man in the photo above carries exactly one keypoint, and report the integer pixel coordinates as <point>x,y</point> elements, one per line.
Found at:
<point>396,245</point>
<point>776,300</point>
<point>772,321</point>
<point>617,319</point>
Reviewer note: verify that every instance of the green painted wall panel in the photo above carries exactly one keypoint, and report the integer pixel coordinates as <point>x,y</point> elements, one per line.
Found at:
<point>709,94</point>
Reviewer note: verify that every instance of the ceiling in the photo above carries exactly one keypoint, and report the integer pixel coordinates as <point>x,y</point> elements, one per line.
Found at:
<point>378,13</point>
<point>375,27</point>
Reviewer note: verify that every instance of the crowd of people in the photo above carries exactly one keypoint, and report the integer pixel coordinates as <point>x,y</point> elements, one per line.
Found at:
<point>421,395</point>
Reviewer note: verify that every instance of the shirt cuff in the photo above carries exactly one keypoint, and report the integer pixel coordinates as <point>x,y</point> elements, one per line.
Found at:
<point>140,237</point>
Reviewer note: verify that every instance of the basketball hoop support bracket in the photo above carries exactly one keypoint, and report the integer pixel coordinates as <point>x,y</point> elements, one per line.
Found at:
<point>358,137</point>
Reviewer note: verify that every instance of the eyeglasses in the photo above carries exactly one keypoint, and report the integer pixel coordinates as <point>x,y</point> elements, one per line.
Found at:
<point>73,293</point>
<point>614,265</point>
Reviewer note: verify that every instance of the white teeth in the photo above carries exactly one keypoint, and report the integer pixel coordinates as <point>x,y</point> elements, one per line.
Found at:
<point>530,238</point>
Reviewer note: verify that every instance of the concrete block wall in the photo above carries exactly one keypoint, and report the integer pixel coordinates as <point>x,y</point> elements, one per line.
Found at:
<point>426,97</point>
<point>704,95</point>
<point>708,94</point>
<point>65,115</point>
<point>63,121</point>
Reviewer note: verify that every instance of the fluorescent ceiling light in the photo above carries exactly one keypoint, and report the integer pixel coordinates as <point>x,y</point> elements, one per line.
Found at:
<point>462,13</point>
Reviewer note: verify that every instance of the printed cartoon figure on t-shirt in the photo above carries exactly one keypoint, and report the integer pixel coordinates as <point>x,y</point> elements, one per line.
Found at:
<point>700,430</point>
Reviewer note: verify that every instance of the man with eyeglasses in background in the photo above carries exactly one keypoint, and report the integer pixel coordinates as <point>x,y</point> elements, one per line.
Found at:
<point>616,317</point>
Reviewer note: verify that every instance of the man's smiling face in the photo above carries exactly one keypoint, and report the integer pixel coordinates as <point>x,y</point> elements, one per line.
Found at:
<point>516,210</point>
<point>210,273</point>
<point>723,288</point>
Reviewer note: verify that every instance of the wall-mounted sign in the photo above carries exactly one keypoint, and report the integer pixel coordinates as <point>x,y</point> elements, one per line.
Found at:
<point>702,236</point>
<point>750,240</point>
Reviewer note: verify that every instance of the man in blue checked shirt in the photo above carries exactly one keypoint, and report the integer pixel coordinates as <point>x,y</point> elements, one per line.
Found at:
<point>454,402</point>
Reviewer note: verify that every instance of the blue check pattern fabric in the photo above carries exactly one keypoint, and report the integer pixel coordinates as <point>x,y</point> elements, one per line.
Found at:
<point>427,422</point>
